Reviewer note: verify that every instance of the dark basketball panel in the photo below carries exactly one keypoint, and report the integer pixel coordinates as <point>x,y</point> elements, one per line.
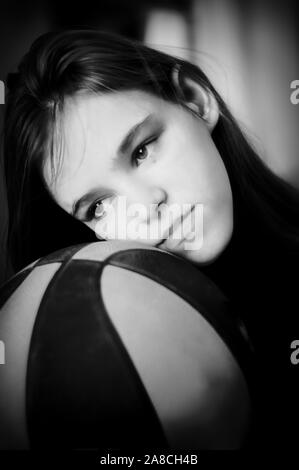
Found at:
<point>82,388</point>
<point>61,256</point>
<point>101,251</point>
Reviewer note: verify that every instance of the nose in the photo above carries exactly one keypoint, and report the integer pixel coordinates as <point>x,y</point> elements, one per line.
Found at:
<point>151,197</point>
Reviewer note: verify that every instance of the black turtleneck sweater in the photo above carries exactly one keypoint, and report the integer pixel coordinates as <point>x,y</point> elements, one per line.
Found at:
<point>259,275</point>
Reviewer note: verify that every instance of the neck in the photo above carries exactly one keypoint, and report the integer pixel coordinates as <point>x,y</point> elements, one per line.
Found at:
<point>243,260</point>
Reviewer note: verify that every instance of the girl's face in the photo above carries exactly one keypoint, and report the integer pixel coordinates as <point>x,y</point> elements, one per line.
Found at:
<point>131,147</point>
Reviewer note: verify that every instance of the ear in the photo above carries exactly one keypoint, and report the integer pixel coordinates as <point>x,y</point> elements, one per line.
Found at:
<point>195,97</point>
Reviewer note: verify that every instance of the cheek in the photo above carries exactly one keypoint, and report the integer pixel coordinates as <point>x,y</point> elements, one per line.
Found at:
<point>211,187</point>
<point>215,234</point>
<point>218,205</point>
<point>205,171</point>
<point>219,192</point>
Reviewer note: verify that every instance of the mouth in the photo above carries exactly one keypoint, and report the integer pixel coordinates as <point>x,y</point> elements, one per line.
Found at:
<point>174,227</point>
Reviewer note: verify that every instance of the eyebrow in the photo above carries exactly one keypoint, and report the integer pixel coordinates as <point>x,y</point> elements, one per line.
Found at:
<point>123,148</point>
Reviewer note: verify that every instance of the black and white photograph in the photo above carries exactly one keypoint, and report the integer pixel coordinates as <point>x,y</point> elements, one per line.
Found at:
<point>149,230</point>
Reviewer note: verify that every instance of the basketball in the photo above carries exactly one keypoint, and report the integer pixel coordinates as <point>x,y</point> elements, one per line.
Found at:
<point>115,344</point>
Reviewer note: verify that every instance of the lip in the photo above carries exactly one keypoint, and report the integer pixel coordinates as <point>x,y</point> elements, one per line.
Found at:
<point>177,223</point>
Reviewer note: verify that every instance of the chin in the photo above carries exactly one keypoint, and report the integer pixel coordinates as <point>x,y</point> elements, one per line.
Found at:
<point>211,248</point>
<point>200,258</point>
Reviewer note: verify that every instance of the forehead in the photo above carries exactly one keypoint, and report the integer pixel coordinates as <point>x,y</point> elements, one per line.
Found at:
<point>90,130</point>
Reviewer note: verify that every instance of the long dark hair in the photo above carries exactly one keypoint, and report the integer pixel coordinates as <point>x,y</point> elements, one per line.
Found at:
<point>63,63</point>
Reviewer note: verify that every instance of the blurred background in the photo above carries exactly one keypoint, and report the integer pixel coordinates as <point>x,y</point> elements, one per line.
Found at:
<point>248,49</point>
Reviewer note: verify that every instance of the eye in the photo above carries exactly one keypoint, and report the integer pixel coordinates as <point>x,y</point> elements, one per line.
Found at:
<point>96,210</point>
<point>142,151</point>
<point>99,210</point>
